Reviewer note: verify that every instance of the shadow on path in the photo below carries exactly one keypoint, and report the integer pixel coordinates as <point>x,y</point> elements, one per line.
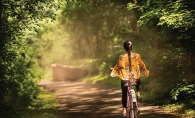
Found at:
<point>87,100</point>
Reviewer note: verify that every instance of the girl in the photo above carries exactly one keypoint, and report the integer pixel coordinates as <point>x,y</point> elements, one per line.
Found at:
<point>128,69</point>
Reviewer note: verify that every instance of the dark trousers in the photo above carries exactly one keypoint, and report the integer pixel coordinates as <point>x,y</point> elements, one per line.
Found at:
<point>124,90</point>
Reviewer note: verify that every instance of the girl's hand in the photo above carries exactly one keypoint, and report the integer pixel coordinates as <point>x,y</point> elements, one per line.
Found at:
<point>147,73</point>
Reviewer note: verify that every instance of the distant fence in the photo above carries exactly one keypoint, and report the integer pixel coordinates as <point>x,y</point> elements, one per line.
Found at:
<point>64,72</point>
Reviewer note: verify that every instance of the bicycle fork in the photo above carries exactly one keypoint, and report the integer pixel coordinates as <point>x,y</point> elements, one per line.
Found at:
<point>132,103</point>
<point>133,95</point>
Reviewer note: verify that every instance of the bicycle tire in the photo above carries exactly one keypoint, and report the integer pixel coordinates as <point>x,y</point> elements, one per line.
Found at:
<point>135,110</point>
<point>129,107</point>
<point>132,112</point>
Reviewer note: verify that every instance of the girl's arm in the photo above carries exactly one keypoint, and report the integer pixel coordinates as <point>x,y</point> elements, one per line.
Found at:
<point>143,67</point>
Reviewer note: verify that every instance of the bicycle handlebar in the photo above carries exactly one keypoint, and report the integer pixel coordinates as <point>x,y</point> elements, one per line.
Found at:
<point>128,84</point>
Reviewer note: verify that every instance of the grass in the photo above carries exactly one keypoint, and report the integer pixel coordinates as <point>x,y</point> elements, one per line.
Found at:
<point>42,107</point>
<point>47,74</point>
<point>103,79</point>
<point>185,109</point>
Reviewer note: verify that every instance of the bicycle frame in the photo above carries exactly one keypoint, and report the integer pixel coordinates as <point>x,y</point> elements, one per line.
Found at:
<point>132,106</point>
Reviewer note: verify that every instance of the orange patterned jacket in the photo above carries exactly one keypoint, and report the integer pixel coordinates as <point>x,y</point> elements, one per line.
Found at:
<point>122,67</point>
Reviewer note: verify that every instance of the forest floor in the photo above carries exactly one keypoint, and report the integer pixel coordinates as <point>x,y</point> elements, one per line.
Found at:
<point>88,100</point>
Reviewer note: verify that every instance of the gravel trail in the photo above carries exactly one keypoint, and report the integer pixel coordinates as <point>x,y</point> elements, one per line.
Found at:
<point>87,100</point>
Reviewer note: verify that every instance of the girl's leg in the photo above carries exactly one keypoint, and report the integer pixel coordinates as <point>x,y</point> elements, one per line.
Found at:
<point>138,88</point>
<point>124,95</point>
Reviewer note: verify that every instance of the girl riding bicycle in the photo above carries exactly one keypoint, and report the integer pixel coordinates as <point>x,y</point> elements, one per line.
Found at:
<point>129,61</point>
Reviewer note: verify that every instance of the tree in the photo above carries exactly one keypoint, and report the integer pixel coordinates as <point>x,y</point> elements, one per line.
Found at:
<point>17,68</point>
<point>172,24</point>
<point>93,25</point>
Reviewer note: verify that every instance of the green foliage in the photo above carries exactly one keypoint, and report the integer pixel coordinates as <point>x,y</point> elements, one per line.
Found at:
<point>94,25</point>
<point>18,71</point>
<point>7,111</point>
<point>167,28</point>
<point>184,93</point>
<point>181,16</point>
<point>48,45</point>
<point>44,106</point>
<point>187,110</point>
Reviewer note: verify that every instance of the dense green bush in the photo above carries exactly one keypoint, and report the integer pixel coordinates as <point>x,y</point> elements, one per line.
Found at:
<point>184,93</point>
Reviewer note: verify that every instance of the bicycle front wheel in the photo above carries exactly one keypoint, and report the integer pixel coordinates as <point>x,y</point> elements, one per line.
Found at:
<point>131,109</point>
<point>135,110</point>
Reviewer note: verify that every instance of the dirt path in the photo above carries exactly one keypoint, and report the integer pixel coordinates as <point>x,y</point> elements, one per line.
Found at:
<point>86,100</point>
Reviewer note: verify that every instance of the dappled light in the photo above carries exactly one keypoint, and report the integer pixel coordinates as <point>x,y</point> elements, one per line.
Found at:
<point>86,100</point>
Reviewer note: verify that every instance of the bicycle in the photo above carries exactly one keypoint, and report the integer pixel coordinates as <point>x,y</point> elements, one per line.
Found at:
<point>132,109</point>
